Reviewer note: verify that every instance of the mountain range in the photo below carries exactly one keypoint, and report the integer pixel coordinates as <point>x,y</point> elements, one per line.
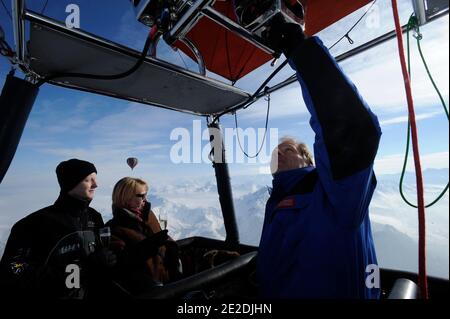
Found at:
<point>192,209</point>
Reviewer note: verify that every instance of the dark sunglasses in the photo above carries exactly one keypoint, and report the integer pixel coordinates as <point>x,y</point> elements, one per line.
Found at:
<point>143,196</point>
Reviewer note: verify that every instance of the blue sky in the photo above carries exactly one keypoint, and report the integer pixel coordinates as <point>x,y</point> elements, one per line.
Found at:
<point>65,123</point>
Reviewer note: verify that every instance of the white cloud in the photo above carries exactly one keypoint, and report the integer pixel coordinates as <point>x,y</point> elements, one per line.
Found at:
<point>38,142</point>
<point>131,32</point>
<point>150,147</point>
<point>137,122</point>
<point>404,119</point>
<point>66,125</point>
<point>377,75</point>
<point>286,103</point>
<point>393,164</point>
<point>68,152</point>
<point>136,130</point>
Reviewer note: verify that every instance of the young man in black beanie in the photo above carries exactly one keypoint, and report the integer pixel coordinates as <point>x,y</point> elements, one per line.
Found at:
<point>55,252</point>
<point>77,179</point>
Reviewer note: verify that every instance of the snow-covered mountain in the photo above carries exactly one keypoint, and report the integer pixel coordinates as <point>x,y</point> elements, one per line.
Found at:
<point>184,221</point>
<point>394,222</point>
<point>397,250</point>
<point>250,215</point>
<point>389,209</point>
<point>192,209</point>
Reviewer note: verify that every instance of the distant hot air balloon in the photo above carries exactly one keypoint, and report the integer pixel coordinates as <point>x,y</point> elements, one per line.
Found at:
<point>132,162</point>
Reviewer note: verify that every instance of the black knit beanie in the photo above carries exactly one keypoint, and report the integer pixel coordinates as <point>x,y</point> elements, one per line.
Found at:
<point>72,172</point>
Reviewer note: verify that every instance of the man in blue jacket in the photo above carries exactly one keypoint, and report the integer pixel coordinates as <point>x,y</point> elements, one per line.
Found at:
<point>317,239</point>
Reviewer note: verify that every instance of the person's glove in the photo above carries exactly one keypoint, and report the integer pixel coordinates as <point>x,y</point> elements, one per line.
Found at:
<point>102,258</point>
<point>147,206</point>
<point>146,209</point>
<point>172,260</point>
<point>116,244</point>
<point>149,247</point>
<point>283,37</point>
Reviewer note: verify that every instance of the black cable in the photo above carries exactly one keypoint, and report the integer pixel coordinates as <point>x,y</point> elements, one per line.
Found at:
<point>5,51</point>
<point>45,6</point>
<point>182,60</point>
<point>263,85</point>
<point>6,10</point>
<point>103,77</point>
<point>354,26</point>
<point>249,102</point>
<point>265,131</point>
<point>5,48</point>
<point>413,25</point>
<point>253,99</point>
<point>230,74</point>
<point>5,45</point>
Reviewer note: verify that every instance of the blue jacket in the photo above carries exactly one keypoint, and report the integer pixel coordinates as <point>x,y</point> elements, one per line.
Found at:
<point>317,240</point>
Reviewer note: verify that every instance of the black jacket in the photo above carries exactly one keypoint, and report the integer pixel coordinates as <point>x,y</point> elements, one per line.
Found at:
<point>41,246</point>
<point>145,258</point>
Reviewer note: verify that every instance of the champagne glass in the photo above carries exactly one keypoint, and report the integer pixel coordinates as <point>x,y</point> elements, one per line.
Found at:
<point>105,236</point>
<point>163,220</point>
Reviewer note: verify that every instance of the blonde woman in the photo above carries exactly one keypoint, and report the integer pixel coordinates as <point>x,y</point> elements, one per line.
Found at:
<point>147,256</point>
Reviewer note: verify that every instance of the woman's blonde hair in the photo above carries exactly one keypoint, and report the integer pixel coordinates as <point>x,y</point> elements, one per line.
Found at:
<point>124,190</point>
<point>301,147</point>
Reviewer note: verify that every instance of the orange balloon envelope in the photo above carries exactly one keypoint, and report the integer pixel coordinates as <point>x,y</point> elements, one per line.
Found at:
<point>232,57</point>
<point>132,162</point>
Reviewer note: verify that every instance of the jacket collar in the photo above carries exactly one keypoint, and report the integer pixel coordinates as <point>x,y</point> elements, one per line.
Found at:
<point>124,213</point>
<point>71,204</point>
<point>284,182</point>
<point>127,218</point>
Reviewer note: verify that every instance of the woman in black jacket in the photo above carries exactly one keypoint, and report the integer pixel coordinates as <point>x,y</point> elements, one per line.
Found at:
<point>147,257</point>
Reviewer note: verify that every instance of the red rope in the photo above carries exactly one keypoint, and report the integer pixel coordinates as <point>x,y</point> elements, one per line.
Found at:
<point>415,141</point>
